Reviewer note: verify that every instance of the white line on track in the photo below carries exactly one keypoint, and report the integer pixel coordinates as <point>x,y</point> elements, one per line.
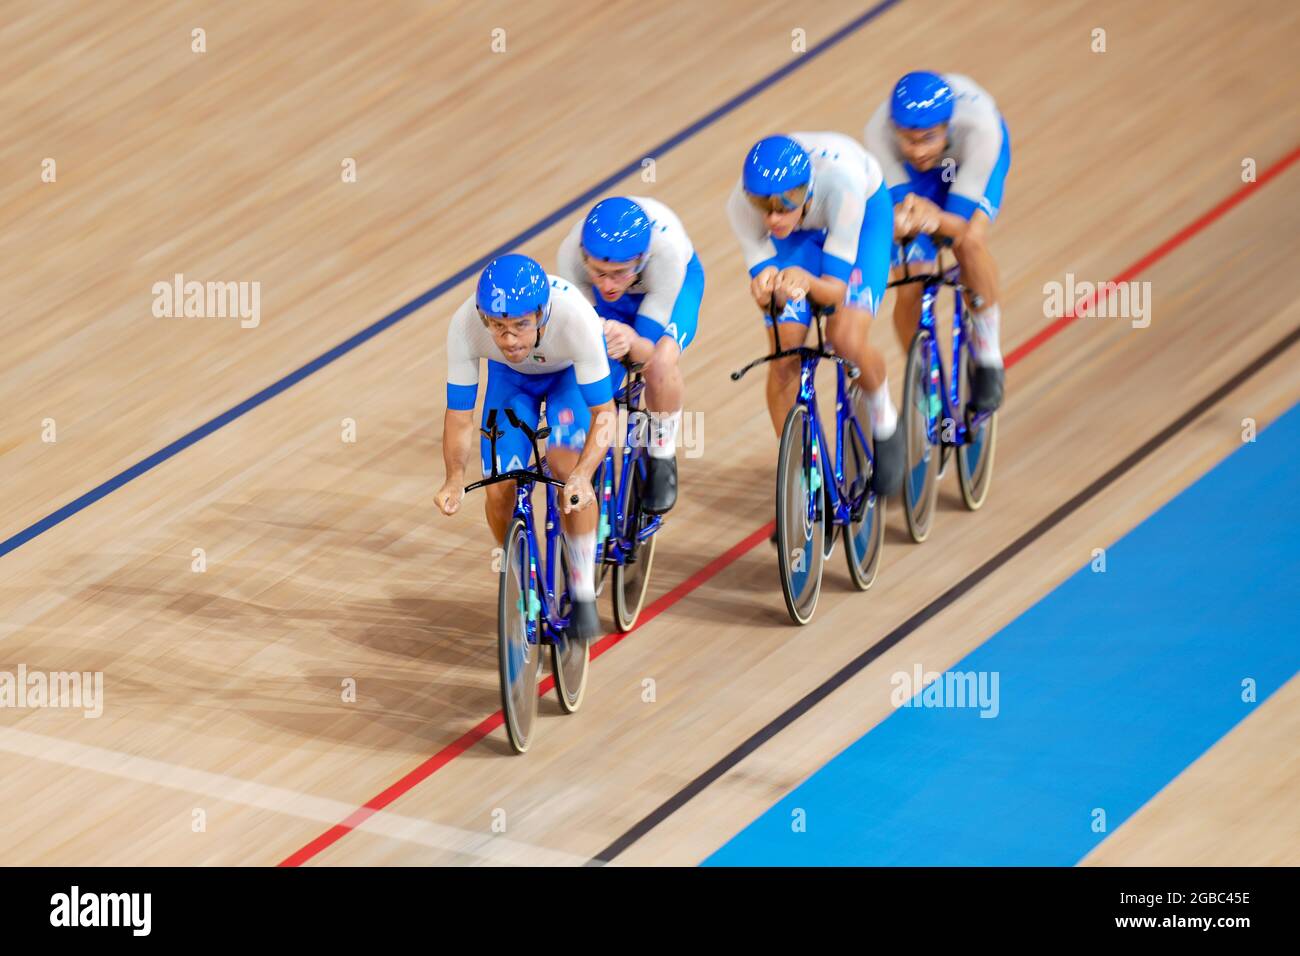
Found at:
<point>485,846</point>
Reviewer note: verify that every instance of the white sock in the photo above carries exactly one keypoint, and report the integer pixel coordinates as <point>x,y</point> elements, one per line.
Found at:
<point>580,549</point>
<point>663,429</point>
<point>884,416</point>
<point>984,344</point>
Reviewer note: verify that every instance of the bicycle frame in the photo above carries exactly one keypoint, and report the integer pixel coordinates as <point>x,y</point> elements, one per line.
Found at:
<point>842,503</point>
<point>543,625</point>
<point>616,547</point>
<point>943,387</point>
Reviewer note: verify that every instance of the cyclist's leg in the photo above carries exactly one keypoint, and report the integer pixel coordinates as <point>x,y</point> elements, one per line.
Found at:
<point>980,276</point>
<point>569,418</point>
<point>665,389</point>
<point>849,331</point>
<point>802,248</point>
<point>506,388</point>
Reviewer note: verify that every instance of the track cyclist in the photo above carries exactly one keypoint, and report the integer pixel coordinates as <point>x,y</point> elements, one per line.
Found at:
<point>945,151</point>
<point>815,224</point>
<point>542,340</point>
<point>635,263</point>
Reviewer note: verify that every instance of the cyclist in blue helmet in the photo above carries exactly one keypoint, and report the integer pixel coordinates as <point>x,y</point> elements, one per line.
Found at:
<point>542,342</point>
<point>945,152</point>
<point>815,224</point>
<point>635,263</point>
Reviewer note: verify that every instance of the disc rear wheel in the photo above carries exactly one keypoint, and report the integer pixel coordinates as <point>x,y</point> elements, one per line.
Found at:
<point>864,536</point>
<point>569,657</point>
<point>632,577</point>
<point>975,457</point>
<point>921,479</point>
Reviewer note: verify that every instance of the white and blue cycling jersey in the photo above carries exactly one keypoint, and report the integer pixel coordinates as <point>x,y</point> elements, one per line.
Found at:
<point>972,171</point>
<point>568,368</point>
<point>845,234</point>
<point>664,301</point>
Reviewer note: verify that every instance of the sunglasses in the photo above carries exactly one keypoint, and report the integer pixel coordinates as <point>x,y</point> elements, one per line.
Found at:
<point>787,201</point>
<point>624,270</point>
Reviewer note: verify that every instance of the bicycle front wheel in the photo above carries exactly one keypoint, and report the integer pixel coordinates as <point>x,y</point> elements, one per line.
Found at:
<point>921,480</point>
<point>518,628</point>
<point>800,533</point>
<point>569,657</point>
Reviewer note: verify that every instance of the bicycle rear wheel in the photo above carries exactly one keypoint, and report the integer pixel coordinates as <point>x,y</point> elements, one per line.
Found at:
<point>921,480</point>
<point>518,627</point>
<point>569,657</point>
<point>632,577</point>
<point>800,533</point>
<point>864,537</point>
<point>975,457</point>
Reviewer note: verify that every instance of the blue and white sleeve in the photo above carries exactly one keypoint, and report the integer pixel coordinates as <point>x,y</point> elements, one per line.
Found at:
<point>747,223</point>
<point>462,362</point>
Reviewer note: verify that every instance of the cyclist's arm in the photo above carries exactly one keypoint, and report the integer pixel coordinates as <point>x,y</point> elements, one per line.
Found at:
<point>457,440</point>
<point>846,216</point>
<point>604,419</point>
<point>591,369</point>
<point>642,350</point>
<point>953,226</point>
<point>747,224</point>
<point>878,137</point>
<point>568,263</point>
<point>462,392</point>
<point>827,290</point>
<point>664,277</point>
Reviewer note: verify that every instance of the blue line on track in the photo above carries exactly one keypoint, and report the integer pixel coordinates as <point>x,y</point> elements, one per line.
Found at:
<point>343,348</point>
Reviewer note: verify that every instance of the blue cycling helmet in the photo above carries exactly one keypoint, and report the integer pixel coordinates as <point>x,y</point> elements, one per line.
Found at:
<point>616,230</point>
<point>921,100</point>
<point>777,165</point>
<point>513,286</point>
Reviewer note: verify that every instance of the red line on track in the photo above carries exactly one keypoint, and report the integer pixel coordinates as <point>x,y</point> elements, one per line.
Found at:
<point>741,548</point>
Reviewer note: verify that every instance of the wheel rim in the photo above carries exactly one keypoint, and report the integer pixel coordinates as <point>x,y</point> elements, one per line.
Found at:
<point>800,535</point>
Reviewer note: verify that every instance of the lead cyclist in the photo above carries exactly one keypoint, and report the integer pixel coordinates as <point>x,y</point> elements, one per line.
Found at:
<point>542,341</point>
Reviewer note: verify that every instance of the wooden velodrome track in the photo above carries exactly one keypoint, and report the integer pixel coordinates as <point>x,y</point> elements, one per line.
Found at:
<point>325,560</point>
